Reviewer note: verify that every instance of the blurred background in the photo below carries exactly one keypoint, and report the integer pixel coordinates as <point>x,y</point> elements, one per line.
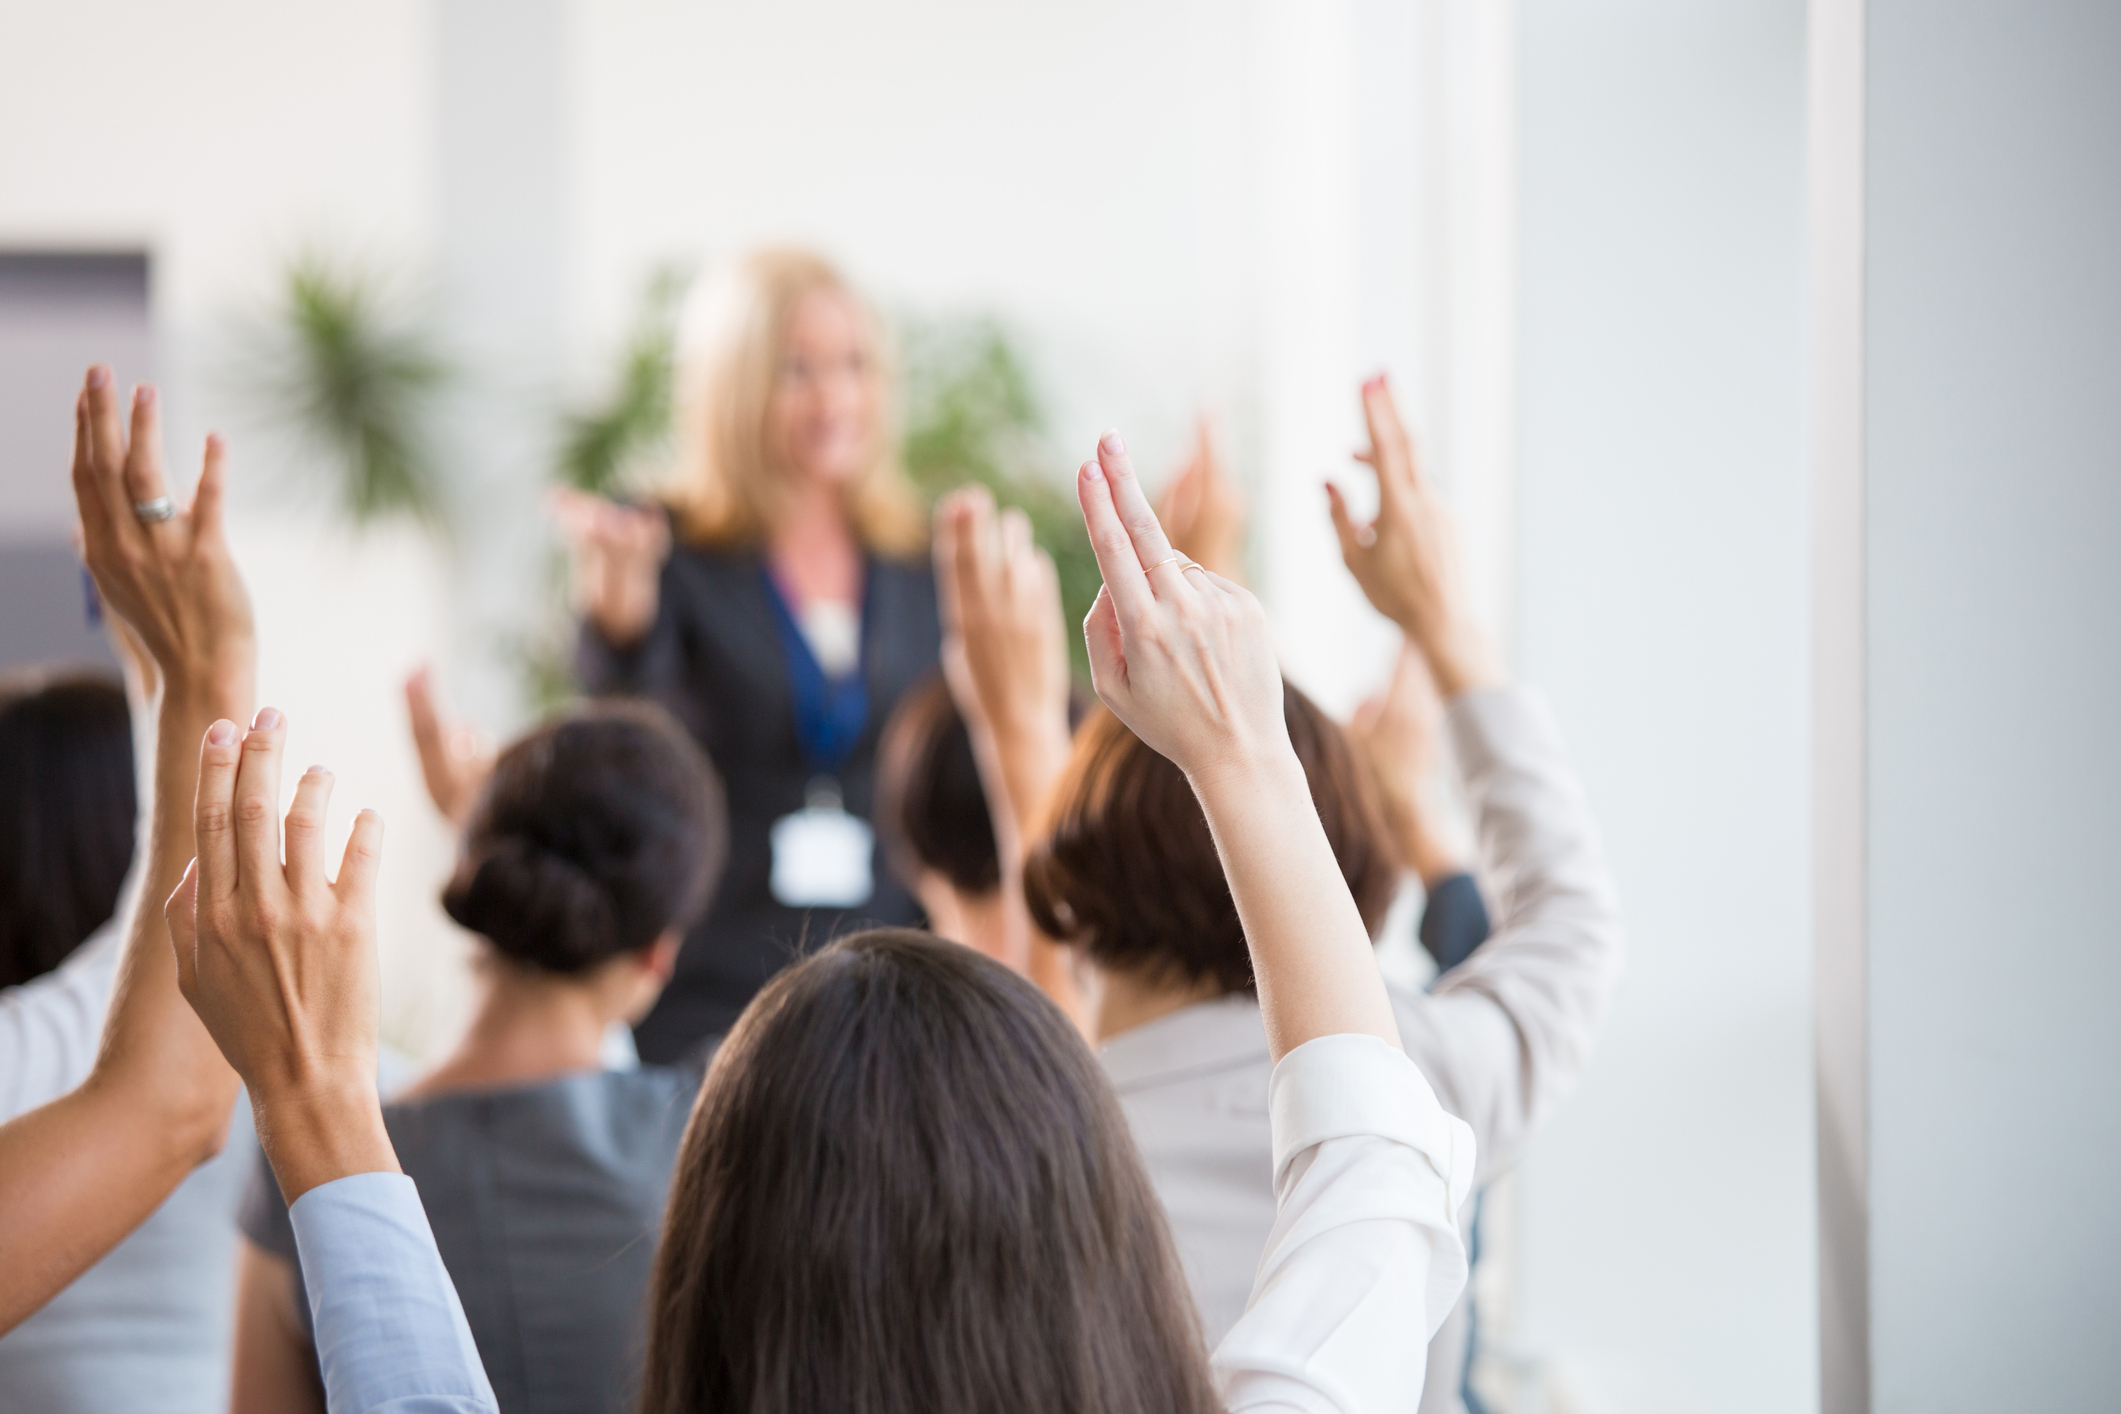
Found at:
<point>1766,356</point>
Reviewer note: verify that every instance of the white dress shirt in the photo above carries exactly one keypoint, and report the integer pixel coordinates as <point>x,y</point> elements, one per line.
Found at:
<point>1502,1036</point>
<point>1368,1172</point>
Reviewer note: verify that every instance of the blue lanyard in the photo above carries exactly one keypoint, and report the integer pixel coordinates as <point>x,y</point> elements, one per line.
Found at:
<point>830,713</point>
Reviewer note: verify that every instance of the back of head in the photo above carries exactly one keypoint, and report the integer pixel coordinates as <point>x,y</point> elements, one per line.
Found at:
<point>67,808</point>
<point>930,807</point>
<point>596,833</point>
<point>1128,869</point>
<point>908,1189</point>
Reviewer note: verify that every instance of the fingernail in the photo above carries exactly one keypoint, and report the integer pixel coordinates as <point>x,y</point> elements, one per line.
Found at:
<point>1111,443</point>
<point>221,733</point>
<point>1093,472</point>
<point>98,375</point>
<point>215,441</point>
<point>143,395</point>
<point>316,771</point>
<point>267,719</point>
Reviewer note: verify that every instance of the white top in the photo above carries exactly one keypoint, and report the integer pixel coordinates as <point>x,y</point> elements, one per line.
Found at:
<point>1368,1171</point>
<point>50,1026</point>
<point>833,630</point>
<point>1502,1038</point>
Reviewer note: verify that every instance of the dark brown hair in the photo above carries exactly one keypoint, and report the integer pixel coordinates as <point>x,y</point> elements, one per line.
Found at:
<point>908,1189</point>
<point>67,808</point>
<point>931,809</point>
<point>595,833</point>
<point>1129,871</point>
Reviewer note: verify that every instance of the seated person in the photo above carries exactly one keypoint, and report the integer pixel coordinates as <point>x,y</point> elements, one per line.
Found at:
<point>905,1186</point>
<point>587,853</point>
<point>1122,866</point>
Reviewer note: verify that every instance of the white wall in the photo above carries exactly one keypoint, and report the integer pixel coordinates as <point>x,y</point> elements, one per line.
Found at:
<point>1667,1216</point>
<point>1992,404</point>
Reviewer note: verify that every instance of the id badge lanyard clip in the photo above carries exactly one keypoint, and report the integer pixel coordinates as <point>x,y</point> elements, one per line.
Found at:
<point>821,854</point>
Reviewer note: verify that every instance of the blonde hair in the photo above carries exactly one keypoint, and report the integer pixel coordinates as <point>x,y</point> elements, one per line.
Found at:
<point>725,490</point>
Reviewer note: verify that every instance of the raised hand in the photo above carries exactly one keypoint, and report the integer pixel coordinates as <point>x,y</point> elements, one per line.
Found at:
<point>1202,508</point>
<point>1395,732</point>
<point>1183,657</point>
<point>172,580</point>
<point>454,760</point>
<point>1180,654</point>
<point>1003,646</point>
<point>615,556</point>
<point>279,960</point>
<point>1406,559</point>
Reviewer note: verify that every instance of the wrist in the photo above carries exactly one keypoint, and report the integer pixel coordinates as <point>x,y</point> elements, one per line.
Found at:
<point>317,1132</point>
<point>204,691</point>
<point>1269,766</point>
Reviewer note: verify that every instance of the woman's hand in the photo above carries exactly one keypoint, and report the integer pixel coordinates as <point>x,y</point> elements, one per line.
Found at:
<point>615,554</point>
<point>1003,649</point>
<point>279,960</point>
<point>455,760</point>
<point>1405,560</point>
<point>1182,655</point>
<point>172,581</point>
<point>1202,508</point>
<point>1395,732</point>
<point>1185,660</point>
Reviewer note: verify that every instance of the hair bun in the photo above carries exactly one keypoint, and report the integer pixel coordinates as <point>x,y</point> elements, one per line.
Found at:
<point>550,911</point>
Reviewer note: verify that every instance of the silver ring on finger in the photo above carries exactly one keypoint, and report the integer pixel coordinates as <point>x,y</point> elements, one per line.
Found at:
<point>156,511</point>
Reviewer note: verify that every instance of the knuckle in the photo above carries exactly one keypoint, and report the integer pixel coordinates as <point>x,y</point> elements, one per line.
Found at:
<point>253,810</point>
<point>213,817</point>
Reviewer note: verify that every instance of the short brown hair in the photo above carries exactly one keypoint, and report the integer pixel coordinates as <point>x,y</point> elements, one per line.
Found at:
<point>908,1188</point>
<point>931,809</point>
<point>1128,869</point>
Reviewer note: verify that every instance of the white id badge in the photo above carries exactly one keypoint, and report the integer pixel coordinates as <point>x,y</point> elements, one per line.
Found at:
<point>821,854</point>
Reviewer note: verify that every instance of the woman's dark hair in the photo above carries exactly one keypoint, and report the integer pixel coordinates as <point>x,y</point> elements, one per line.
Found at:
<point>596,832</point>
<point>1129,871</point>
<point>930,808</point>
<point>67,808</point>
<point>908,1189</point>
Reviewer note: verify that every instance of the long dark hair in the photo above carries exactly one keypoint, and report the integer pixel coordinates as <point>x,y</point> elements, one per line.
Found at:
<point>67,807</point>
<point>596,832</point>
<point>908,1189</point>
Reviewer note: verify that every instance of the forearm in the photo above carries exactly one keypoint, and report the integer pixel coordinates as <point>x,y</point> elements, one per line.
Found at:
<point>328,1132</point>
<point>78,1175</point>
<point>1311,954</point>
<point>1018,770</point>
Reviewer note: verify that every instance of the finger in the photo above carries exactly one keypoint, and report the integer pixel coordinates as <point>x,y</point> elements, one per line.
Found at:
<point>257,806</point>
<point>974,568</point>
<point>181,914</point>
<point>212,492</point>
<point>1392,454</point>
<point>213,811</point>
<point>1151,545</point>
<point>1108,658</point>
<point>305,833</point>
<point>143,454</point>
<point>88,497</point>
<point>106,443</point>
<point>356,884</point>
<point>943,550</point>
<point>1343,525</point>
<point>1114,548</point>
<point>428,736</point>
<point>1016,545</point>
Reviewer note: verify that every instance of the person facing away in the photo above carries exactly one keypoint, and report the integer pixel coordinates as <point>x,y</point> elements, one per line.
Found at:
<point>778,603</point>
<point>590,848</point>
<point>1120,863</point>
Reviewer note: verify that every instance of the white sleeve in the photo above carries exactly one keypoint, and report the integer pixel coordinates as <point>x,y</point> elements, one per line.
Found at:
<point>50,1026</point>
<point>1505,1033</point>
<point>1365,1259</point>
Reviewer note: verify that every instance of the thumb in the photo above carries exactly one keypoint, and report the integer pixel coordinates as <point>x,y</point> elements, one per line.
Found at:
<point>1108,660</point>
<point>1343,526</point>
<point>181,913</point>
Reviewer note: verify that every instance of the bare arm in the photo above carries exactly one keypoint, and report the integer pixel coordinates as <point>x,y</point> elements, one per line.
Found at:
<point>1185,659</point>
<point>275,1363</point>
<point>79,1174</point>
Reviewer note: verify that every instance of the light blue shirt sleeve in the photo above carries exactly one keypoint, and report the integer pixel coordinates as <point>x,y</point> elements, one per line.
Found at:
<point>391,1335</point>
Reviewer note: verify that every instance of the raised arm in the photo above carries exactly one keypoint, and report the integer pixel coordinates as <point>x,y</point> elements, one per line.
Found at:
<point>1183,656</point>
<point>77,1175</point>
<point>1505,1033</point>
<point>279,960</point>
<point>1007,665</point>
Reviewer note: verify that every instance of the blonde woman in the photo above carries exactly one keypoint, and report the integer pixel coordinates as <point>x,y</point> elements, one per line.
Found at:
<point>777,601</point>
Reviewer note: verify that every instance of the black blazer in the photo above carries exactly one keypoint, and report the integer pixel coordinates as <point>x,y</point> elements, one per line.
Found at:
<point>714,659</point>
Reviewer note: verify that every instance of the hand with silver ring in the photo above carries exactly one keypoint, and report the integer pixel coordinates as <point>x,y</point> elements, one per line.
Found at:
<point>156,511</point>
